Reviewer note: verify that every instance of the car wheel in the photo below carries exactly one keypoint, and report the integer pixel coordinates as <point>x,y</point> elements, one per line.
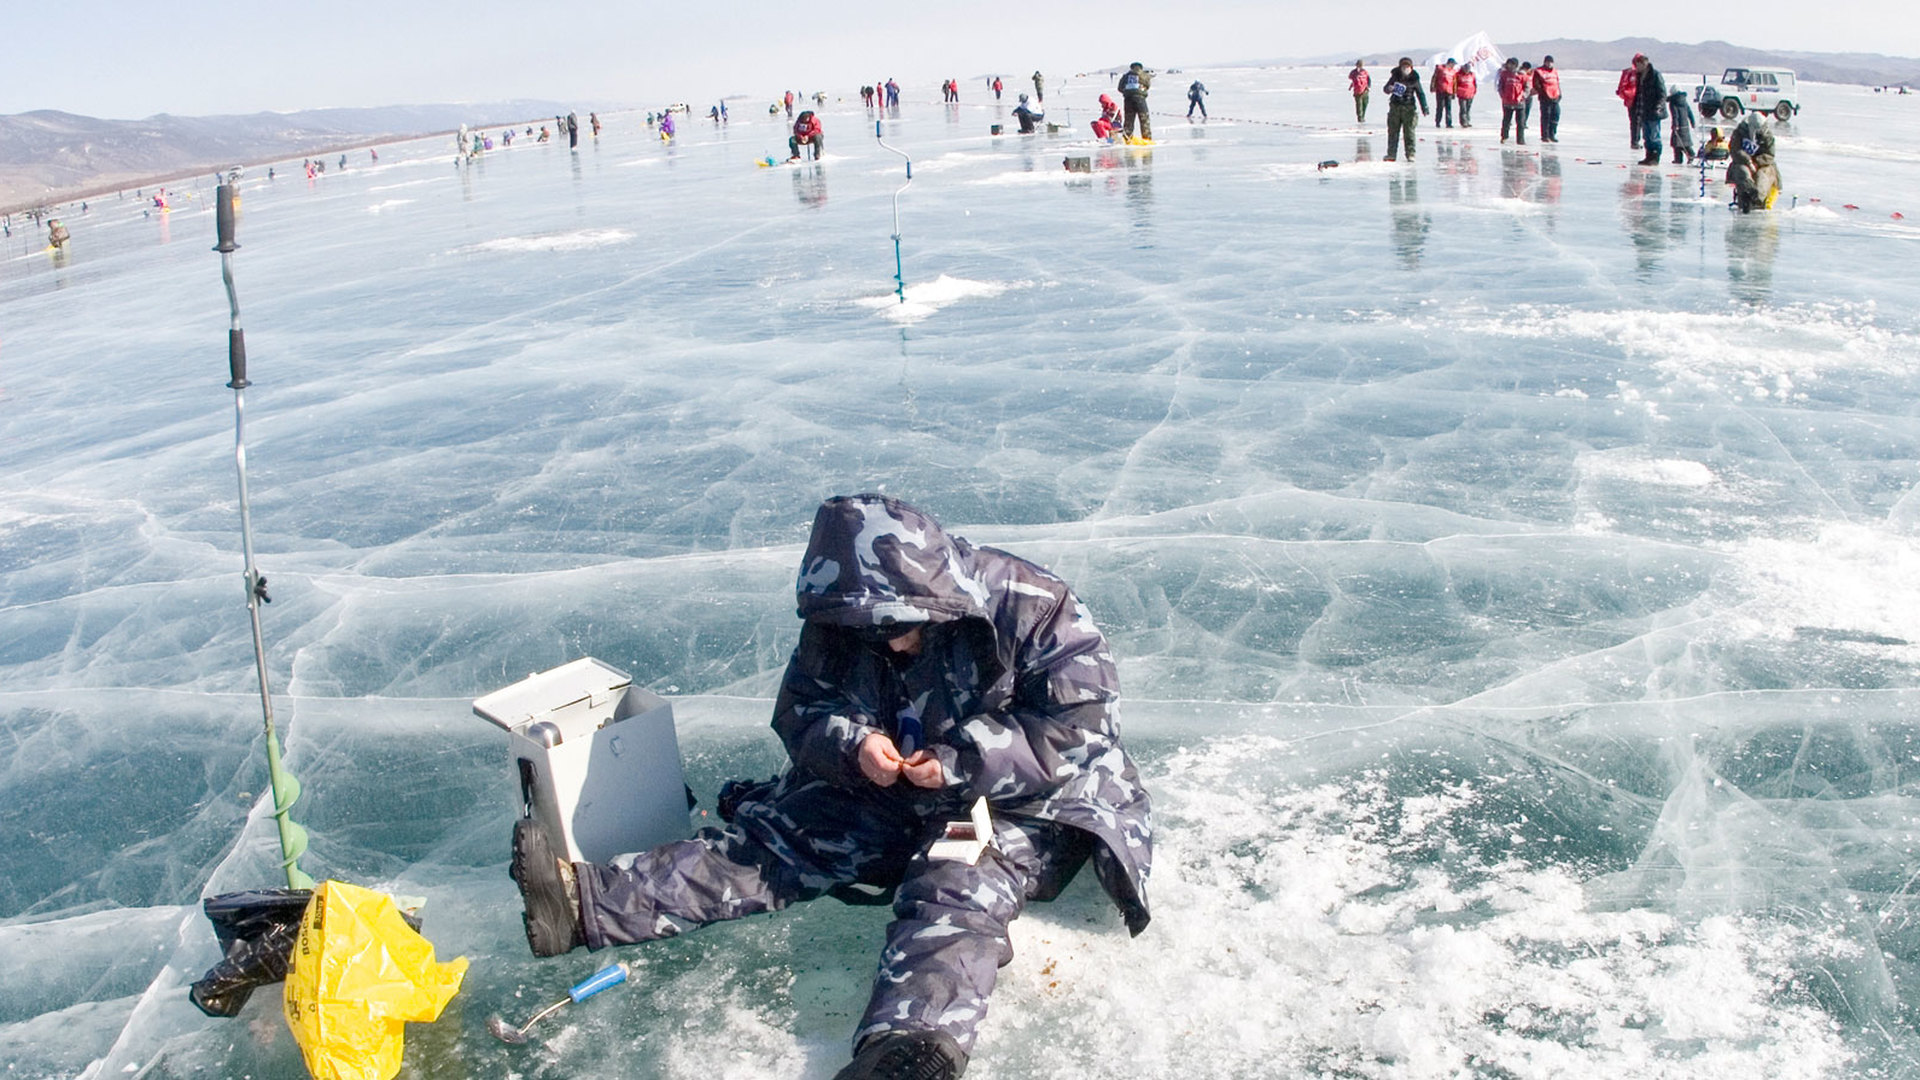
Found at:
<point>1784,110</point>
<point>1729,108</point>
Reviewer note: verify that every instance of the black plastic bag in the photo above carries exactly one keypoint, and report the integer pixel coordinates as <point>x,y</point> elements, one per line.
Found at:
<point>256,930</point>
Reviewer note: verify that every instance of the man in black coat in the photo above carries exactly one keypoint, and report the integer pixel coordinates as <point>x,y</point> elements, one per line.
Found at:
<point>1649,106</point>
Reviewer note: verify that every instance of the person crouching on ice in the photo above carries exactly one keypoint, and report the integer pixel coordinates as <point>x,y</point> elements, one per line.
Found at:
<point>1108,125</point>
<point>929,673</point>
<point>806,132</point>
<point>1029,119</point>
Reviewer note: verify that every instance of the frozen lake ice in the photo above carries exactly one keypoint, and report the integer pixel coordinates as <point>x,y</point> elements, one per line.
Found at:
<point>1512,559</point>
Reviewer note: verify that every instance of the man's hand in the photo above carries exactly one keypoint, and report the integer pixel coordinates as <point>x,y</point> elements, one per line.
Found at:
<point>923,770</point>
<point>880,762</point>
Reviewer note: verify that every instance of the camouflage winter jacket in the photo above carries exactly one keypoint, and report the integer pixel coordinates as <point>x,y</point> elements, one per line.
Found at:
<point>1014,690</point>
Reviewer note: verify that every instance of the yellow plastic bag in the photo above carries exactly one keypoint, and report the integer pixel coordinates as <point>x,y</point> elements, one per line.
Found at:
<point>359,974</point>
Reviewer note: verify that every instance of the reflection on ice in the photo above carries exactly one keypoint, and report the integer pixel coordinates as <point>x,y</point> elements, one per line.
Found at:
<point>1512,560</point>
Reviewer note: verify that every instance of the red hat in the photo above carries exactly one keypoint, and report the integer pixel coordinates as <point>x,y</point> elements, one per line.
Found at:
<point>1639,56</point>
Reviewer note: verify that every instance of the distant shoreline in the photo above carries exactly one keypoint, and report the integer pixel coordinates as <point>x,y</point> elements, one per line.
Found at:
<point>64,196</point>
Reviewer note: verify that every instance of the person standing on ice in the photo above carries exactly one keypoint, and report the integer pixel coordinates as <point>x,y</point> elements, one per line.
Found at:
<point>1443,81</point>
<point>1681,134</point>
<point>997,86</point>
<point>1625,89</point>
<point>1134,84</point>
<point>1403,94</point>
<point>1649,106</point>
<point>1513,96</point>
<point>1359,82</point>
<point>573,131</point>
<point>1194,95</point>
<point>929,673</point>
<point>1546,87</point>
<point>1039,88</point>
<point>1466,87</point>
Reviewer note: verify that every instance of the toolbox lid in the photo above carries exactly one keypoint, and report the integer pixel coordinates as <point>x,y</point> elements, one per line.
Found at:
<point>584,682</point>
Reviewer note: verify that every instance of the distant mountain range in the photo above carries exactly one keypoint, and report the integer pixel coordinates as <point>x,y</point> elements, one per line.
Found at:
<point>50,156</point>
<point>1707,57</point>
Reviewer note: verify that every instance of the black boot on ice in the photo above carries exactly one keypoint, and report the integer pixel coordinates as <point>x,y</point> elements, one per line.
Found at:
<point>548,891</point>
<point>907,1055</point>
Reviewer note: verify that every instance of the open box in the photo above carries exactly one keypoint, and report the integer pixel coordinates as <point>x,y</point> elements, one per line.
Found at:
<point>595,759</point>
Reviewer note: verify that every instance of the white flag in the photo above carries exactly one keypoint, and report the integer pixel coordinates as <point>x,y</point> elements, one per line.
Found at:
<point>1477,52</point>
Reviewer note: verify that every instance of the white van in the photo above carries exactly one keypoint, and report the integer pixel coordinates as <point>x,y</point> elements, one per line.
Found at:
<point>1761,89</point>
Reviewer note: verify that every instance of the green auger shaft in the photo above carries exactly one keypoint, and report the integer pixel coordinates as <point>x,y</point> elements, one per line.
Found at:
<point>286,789</point>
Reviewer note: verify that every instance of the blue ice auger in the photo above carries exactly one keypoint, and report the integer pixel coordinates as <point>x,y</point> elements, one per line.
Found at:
<point>899,281</point>
<point>293,838</point>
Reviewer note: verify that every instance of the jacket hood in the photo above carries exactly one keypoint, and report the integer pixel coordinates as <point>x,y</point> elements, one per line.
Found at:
<point>873,560</point>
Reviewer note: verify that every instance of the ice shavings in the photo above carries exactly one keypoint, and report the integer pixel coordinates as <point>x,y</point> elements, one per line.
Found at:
<point>925,298</point>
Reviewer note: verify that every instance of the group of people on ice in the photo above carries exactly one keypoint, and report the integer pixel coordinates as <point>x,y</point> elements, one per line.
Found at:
<point>1653,110</point>
<point>1455,87</point>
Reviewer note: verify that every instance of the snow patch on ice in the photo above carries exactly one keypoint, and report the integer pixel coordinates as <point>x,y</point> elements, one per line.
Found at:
<point>381,207</point>
<point>1662,472</point>
<point>1855,578</point>
<point>1367,958</point>
<point>1766,354</point>
<point>1026,176</point>
<point>407,184</point>
<point>581,240</point>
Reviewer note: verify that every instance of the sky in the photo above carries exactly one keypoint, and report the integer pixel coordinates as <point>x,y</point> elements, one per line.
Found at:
<point>112,58</point>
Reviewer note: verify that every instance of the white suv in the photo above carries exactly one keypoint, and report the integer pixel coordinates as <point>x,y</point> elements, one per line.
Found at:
<point>1761,89</point>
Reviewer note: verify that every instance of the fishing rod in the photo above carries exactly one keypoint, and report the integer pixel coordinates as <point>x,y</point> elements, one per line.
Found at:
<point>286,789</point>
<point>899,280</point>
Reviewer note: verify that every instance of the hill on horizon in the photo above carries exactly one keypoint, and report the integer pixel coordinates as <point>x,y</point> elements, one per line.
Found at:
<point>48,156</point>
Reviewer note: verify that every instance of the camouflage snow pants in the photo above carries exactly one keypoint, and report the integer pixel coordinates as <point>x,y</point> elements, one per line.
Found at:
<point>948,938</point>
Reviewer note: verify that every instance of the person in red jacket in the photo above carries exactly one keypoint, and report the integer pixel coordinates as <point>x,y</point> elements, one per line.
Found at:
<point>1466,86</point>
<point>1359,82</point>
<point>806,132</point>
<point>1513,97</point>
<point>1629,86</point>
<point>1546,86</point>
<point>1110,119</point>
<point>1442,87</point>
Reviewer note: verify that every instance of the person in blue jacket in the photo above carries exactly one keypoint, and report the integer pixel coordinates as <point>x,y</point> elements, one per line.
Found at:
<point>929,673</point>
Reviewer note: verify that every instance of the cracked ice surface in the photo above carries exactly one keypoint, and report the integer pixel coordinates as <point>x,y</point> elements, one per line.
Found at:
<point>1511,558</point>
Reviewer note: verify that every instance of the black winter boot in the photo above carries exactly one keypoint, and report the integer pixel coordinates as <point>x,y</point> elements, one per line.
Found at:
<point>548,891</point>
<point>907,1055</point>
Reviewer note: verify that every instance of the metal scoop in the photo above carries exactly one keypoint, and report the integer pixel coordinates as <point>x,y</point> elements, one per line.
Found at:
<point>604,979</point>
